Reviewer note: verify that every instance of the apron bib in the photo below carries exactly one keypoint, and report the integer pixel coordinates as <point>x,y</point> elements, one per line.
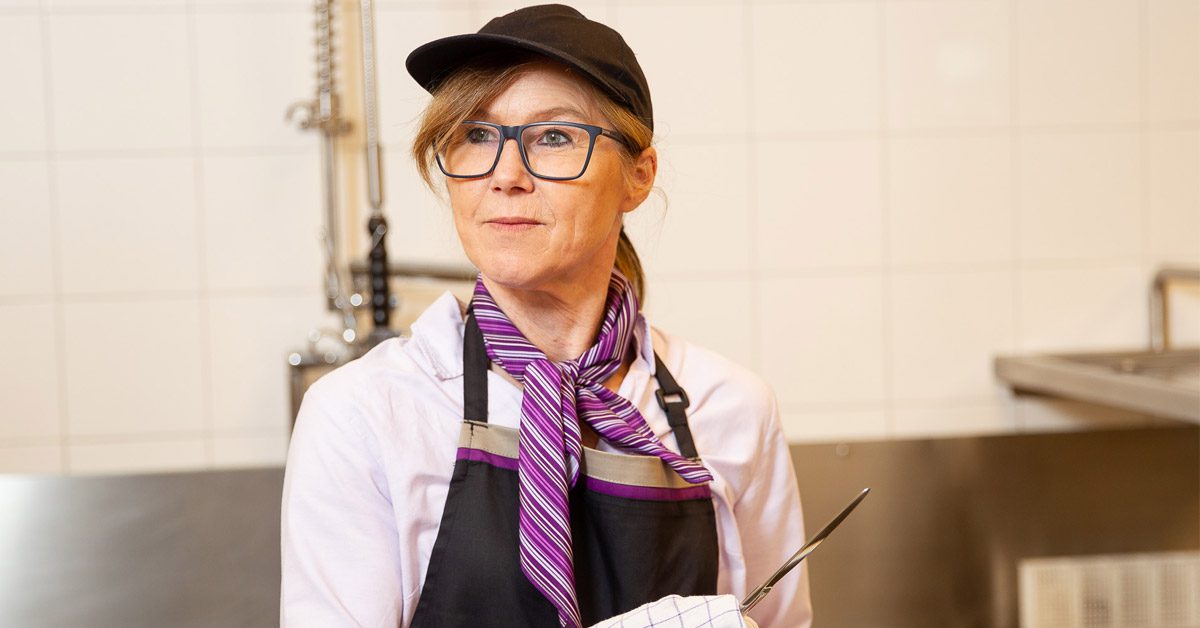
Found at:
<point>639,531</point>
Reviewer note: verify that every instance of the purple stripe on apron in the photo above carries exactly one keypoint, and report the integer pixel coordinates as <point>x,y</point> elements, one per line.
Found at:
<point>648,493</point>
<point>496,460</point>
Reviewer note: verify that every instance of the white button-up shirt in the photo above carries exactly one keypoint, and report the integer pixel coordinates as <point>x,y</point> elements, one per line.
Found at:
<point>370,460</point>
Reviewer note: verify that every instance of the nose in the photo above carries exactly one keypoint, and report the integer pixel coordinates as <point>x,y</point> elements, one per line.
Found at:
<point>510,173</point>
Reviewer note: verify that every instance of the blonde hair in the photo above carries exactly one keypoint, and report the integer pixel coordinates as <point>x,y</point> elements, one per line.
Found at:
<point>472,86</point>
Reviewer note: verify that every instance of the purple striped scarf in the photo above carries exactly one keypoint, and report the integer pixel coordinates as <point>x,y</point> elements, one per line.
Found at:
<point>557,395</point>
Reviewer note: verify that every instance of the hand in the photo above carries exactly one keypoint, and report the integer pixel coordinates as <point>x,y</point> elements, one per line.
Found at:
<point>696,611</point>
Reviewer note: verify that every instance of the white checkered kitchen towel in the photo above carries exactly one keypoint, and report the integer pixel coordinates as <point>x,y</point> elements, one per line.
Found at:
<point>675,611</point>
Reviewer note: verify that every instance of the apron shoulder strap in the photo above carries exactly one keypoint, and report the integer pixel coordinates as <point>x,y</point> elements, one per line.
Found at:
<point>674,401</point>
<point>475,369</point>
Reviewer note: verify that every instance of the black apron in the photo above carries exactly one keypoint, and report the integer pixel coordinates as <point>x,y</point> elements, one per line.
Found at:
<point>639,531</point>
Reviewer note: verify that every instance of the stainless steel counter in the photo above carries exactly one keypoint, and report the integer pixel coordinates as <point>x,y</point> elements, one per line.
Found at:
<point>936,543</point>
<point>177,550</point>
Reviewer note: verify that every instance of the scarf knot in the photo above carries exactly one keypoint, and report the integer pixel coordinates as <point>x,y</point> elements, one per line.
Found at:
<point>557,397</point>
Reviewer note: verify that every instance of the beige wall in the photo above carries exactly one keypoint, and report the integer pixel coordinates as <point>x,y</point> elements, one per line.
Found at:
<point>867,201</point>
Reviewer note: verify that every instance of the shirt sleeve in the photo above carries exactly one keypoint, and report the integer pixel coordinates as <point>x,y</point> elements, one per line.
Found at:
<point>338,541</point>
<point>771,524</point>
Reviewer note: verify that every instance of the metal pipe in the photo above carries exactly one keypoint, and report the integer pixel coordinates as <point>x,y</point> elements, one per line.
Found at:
<point>1160,318</point>
<point>322,114</point>
<point>374,150</point>
<point>442,272</point>
<point>377,226</point>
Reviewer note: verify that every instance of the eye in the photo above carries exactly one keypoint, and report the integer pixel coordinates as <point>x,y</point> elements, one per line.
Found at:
<point>555,138</point>
<point>479,135</point>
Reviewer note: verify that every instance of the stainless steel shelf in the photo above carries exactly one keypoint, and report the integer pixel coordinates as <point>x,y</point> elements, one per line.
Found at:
<point>1164,384</point>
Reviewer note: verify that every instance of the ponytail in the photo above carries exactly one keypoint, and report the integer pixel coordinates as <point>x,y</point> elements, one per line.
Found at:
<point>629,265</point>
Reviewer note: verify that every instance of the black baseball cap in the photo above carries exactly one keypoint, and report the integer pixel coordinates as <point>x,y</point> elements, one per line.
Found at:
<point>553,30</point>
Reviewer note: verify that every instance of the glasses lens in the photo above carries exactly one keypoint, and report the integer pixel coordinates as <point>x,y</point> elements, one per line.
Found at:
<point>471,150</point>
<point>556,150</point>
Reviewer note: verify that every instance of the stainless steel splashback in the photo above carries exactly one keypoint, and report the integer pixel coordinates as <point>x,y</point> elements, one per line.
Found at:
<point>938,542</point>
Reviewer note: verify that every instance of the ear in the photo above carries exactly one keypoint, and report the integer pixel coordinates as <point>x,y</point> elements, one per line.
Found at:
<point>641,179</point>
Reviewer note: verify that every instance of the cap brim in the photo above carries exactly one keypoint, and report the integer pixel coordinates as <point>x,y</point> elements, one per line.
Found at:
<point>434,61</point>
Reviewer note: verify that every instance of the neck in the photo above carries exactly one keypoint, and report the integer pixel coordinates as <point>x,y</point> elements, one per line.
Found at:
<point>561,320</point>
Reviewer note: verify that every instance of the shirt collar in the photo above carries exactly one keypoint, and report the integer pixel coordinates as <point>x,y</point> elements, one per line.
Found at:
<point>438,335</point>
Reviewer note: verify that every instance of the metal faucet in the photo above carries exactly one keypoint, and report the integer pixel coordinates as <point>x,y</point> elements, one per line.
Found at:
<point>1160,320</point>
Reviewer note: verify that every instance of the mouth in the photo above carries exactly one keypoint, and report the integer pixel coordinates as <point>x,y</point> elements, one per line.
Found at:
<point>512,223</point>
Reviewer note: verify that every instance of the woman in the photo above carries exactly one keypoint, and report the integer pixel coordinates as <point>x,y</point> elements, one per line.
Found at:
<point>540,456</point>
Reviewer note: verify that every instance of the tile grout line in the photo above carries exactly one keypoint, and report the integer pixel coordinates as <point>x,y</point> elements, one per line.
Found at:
<point>126,296</point>
<point>1014,179</point>
<point>153,8</point>
<point>752,198</point>
<point>56,262</point>
<point>143,437</point>
<point>1147,219</point>
<point>884,162</point>
<point>117,153</point>
<point>905,270</point>
<point>202,300</point>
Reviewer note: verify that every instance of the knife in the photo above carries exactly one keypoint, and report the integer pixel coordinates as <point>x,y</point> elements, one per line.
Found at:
<point>758,594</point>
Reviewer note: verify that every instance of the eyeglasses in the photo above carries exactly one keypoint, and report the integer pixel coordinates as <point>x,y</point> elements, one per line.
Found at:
<point>558,151</point>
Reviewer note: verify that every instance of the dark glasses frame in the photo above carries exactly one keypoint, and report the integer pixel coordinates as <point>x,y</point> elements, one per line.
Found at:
<point>514,132</point>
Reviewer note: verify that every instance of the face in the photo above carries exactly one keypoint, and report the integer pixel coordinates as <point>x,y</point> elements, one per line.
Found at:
<point>528,233</point>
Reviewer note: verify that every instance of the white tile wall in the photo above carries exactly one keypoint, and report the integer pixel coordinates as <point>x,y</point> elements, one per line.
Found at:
<point>795,86</point>
<point>819,204</point>
<point>32,458</point>
<point>29,374</point>
<point>944,328</point>
<point>221,5</point>
<point>421,227</point>
<point>23,118</point>
<point>1088,76</point>
<point>826,424</point>
<point>19,5</point>
<point>699,85</point>
<point>26,229</point>
<point>253,54</point>
<point>109,93</point>
<point>1173,60</point>
<point>127,225</point>
<point>946,64</point>
<point>1084,308</point>
<point>707,308</point>
<point>250,338</point>
<point>875,197</point>
<point>954,419</point>
<point>262,221</point>
<point>485,10</point>
<point>134,456</point>
<point>133,367</point>
<point>398,29</point>
<point>950,200</point>
<point>143,5</point>
<point>1080,196</point>
<point>699,222</point>
<point>823,339</point>
<point>1172,174</point>
<point>251,450</point>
